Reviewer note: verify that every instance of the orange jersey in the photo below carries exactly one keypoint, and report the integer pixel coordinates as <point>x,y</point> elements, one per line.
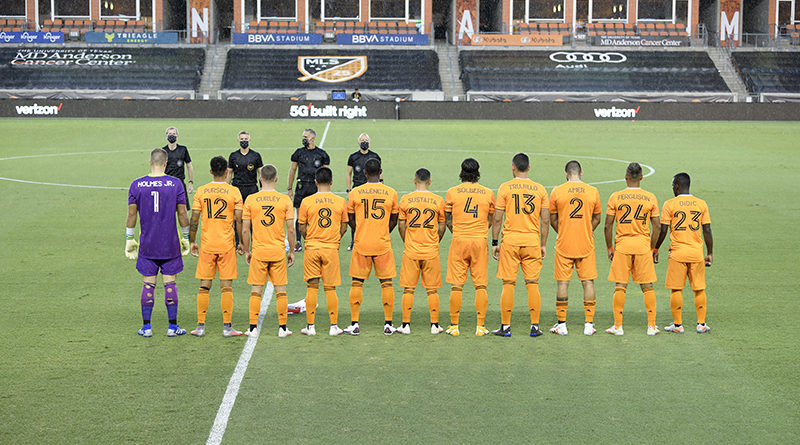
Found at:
<point>372,203</point>
<point>522,200</point>
<point>217,202</point>
<point>323,213</point>
<point>470,204</point>
<point>632,208</point>
<point>423,212</point>
<point>685,215</point>
<point>268,212</point>
<point>575,203</point>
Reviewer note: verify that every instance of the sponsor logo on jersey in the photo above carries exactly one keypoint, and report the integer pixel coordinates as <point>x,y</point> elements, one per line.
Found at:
<point>331,69</point>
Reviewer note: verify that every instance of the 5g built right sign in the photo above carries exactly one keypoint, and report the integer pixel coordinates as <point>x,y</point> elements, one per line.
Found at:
<point>729,22</point>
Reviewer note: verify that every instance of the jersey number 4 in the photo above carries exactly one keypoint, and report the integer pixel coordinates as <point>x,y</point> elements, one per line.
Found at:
<point>626,209</point>
<point>210,211</point>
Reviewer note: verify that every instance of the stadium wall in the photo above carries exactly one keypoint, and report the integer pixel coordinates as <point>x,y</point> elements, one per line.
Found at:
<point>53,109</point>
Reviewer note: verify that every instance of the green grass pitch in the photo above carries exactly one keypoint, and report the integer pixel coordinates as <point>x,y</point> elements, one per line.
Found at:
<point>74,370</point>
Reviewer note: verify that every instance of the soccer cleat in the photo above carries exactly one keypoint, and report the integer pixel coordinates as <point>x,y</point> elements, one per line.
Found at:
<point>252,333</point>
<point>309,330</point>
<point>350,247</point>
<point>200,331</point>
<point>298,307</point>
<point>453,330</point>
<point>352,329</point>
<point>588,329</point>
<point>298,247</point>
<point>174,330</point>
<point>481,330</point>
<point>559,328</point>
<point>674,329</point>
<point>335,330</point>
<point>284,332</point>
<point>146,330</point>
<point>500,332</point>
<point>436,329</point>
<point>405,330</point>
<point>535,331</point>
<point>613,330</point>
<point>652,330</point>
<point>389,329</point>
<point>702,328</point>
<point>228,331</point>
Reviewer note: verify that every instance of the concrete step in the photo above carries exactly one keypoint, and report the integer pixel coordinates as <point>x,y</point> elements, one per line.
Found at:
<point>211,81</point>
<point>722,61</point>
<point>449,71</point>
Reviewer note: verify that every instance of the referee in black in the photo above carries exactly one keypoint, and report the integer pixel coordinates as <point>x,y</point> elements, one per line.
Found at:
<point>305,162</point>
<point>244,166</point>
<point>177,158</point>
<point>355,169</point>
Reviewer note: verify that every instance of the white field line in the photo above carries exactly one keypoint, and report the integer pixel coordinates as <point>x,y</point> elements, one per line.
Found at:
<point>324,134</point>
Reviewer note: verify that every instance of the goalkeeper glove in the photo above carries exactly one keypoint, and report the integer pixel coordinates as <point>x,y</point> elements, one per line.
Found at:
<point>131,249</point>
<point>185,246</point>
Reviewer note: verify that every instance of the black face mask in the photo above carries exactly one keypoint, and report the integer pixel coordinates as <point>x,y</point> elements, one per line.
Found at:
<point>365,145</point>
<point>244,144</point>
<point>172,138</point>
<point>305,142</point>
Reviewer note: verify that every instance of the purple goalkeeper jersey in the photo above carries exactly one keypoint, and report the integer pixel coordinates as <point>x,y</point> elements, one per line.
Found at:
<point>157,198</point>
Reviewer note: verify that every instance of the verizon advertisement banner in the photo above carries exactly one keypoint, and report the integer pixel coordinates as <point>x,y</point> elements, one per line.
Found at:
<point>381,39</point>
<point>534,39</point>
<point>641,41</point>
<point>276,39</point>
<point>31,37</point>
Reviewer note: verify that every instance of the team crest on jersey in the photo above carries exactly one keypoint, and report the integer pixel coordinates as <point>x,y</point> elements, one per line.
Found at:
<point>331,69</point>
<point>250,167</point>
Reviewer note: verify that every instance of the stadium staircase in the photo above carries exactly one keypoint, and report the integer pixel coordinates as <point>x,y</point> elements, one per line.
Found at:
<point>449,70</point>
<point>216,57</point>
<point>722,60</point>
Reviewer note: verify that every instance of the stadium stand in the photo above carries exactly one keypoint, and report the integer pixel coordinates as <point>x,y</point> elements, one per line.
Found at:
<point>672,74</point>
<point>100,72</point>
<point>76,28</point>
<point>14,25</point>
<point>774,76</point>
<point>330,28</point>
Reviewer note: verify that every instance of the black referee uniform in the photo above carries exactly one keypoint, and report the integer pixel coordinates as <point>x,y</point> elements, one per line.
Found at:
<point>176,161</point>
<point>245,173</point>
<point>356,161</point>
<point>308,161</point>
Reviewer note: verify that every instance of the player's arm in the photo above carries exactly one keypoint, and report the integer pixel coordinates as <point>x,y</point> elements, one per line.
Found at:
<point>662,235</point>
<point>292,235</point>
<point>190,171</point>
<point>342,229</point>
<point>131,245</point>
<point>609,234</point>
<point>351,220</point>
<point>301,227</point>
<point>544,230</point>
<point>595,221</point>
<point>554,221</point>
<point>237,216</point>
<point>490,219</point>
<point>448,220</point>
<point>655,231</point>
<point>392,221</point>
<point>709,239</point>
<point>401,227</point>
<point>348,178</point>
<point>442,230</point>
<point>193,232</point>
<point>229,175</point>
<point>245,239</point>
<point>183,220</point>
<point>498,223</point>
<point>292,171</point>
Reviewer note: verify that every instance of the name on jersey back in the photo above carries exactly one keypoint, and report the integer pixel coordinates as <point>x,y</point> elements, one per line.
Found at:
<point>633,196</point>
<point>371,190</point>
<point>155,183</point>
<point>217,190</point>
<point>323,200</point>
<point>576,190</point>
<point>422,200</point>
<point>523,187</point>
<point>691,203</point>
<point>267,198</point>
<point>478,190</point>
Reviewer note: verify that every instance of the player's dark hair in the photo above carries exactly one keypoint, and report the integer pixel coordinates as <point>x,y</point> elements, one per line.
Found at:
<point>324,176</point>
<point>423,175</point>
<point>470,170</point>
<point>313,133</point>
<point>218,166</point>
<point>269,173</point>
<point>372,167</point>
<point>521,162</point>
<point>573,168</point>
<point>634,171</point>
<point>158,156</point>
<point>682,180</point>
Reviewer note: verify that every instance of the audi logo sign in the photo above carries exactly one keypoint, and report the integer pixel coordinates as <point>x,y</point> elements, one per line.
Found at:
<point>587,57</point>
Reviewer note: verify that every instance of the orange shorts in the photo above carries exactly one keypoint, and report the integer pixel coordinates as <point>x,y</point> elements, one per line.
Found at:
<point>209,263</point>
<point>678,271</point>
<point>430,269</point>
<point>361,265</point>
<point>586,267</point>
<point>322,263</point>
<point>625,265</point>
<point>512,257</point>
<point>468,254</point>
<point>260,270</point>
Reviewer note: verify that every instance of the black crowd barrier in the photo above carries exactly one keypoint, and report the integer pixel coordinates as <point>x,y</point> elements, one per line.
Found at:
<point>54,109</point>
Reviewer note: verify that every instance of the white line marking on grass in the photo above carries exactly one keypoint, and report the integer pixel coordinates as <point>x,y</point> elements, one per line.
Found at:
<point>324,134</point>
<point>224,412</point>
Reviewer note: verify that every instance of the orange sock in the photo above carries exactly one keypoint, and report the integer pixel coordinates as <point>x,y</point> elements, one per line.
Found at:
<point>311,302</point>
<point>202,305</point>
<point>506,303</point>
<point>534,301</point>
<point>700,304</point>
<point>356,295</point>
<point>619,305</point>
<point>227,304</point>
<point>282,304</point>
<point>255,307</point>
<point>481,304</point>
<point>455,304</point>
<point>676,304</point>
<point>408,303</point>
<point>588,307</point>
<point>561,310</point>
<point>650,306</point>
<point>433,305</point>
<point>333,304</point>
<point>387,296</point>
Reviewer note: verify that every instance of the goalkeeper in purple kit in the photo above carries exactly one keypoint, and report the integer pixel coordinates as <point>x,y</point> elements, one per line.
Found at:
<point>157,199</point>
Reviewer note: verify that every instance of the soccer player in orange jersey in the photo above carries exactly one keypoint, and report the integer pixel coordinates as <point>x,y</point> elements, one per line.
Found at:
<point>218,202</point>
<point>683,216</point>
<point>268,212</point>
<point>421,224</point>
<point>575,210</point>
<point>469,209</point>
<point>372,211</point>
<point>323,221</point>
<point>524,205</point>
<point>631,252</point>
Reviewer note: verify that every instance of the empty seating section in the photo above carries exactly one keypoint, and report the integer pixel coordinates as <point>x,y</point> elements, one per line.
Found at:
<point>793,32</point>
<point>273,27</point>
<point>75,28</point>
<point>576,71</point>
<point>544,28</point>
<point>14,25</point>
<point>395,70</point>
<point>769,72</point>
<point>148,69</point>
<point>608,29</point>
<point>331,28</point>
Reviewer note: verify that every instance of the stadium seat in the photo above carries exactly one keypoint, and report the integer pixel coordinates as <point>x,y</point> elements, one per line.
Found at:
<point>769,72</point>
